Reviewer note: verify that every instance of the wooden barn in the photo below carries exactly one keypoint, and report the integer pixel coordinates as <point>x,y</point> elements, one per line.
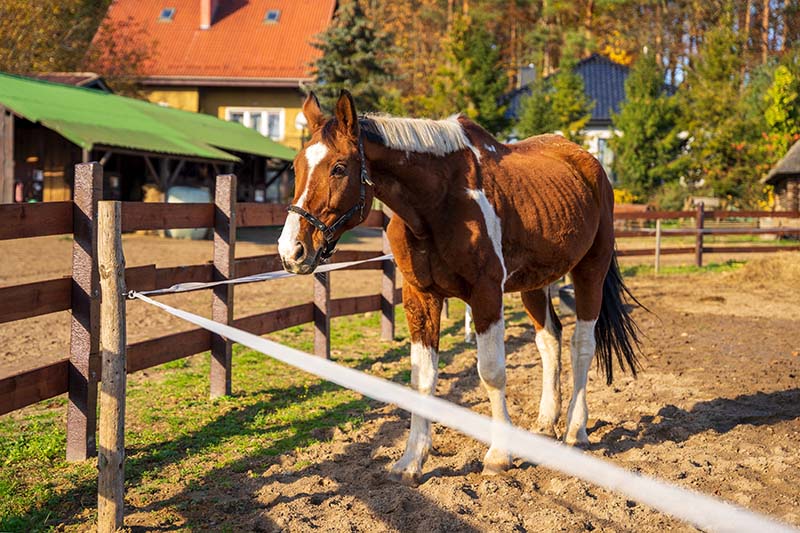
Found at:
<point>145,149</point>
<point>785,178</point>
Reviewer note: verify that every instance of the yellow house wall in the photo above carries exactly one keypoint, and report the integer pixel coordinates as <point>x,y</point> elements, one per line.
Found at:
<point>216,100</point>
<point>186,99</point>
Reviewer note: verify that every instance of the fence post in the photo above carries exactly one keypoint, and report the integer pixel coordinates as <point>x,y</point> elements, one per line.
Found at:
<point>224,263</point>
<point>698,244</point>
<point>322,316</point>
<point>658,245</point>
<point>84,359</point>
<point>387,286</point>
<point>111,456</point>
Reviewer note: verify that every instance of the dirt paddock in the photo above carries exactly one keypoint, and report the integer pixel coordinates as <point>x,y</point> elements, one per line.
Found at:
<point>716,409</point>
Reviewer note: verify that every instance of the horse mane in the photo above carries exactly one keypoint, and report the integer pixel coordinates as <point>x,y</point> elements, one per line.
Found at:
<point>420,135</point>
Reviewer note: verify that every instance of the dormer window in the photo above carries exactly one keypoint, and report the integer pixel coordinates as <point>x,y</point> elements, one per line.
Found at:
<point>272,16</point>
<point>167,14</point>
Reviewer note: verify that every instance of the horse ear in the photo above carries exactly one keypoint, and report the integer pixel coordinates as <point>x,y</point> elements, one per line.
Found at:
<point>313,112</point>
<point>346,114</point>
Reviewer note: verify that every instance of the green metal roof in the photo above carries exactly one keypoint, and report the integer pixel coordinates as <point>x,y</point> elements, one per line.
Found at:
<point>88,118</point>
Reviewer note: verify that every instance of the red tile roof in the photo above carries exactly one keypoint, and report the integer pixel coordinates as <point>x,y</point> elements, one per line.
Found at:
<point>238,48</point>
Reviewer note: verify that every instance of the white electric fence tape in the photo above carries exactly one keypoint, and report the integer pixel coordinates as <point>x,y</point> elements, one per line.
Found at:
<point>704,512</point>
<point>266,276</point>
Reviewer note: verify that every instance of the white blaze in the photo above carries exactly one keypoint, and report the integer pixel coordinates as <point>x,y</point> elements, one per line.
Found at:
<point>314,154</point>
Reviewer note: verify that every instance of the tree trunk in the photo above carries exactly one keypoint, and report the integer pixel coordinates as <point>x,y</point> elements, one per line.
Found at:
<point>658,36</point>
<point>587,24</point>
<point>765,31</point>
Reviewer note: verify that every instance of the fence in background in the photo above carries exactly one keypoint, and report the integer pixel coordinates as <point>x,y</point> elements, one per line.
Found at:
<point>79,374</point>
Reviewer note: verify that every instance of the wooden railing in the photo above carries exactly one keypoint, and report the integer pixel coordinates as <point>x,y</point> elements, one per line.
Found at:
<point>78,374</point>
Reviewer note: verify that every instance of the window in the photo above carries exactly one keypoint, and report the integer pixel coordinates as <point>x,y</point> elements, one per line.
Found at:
<point>270,122</point>
<point>167,14</point>
<point>272,16</point>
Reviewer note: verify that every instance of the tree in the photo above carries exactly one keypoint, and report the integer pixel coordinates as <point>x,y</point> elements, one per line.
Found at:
<point>47,35</point>
<point>649,140</point>
<point>536,111</point>
<point>723,152</point>
<point>354,57</point>
<point>571,107</point>
<point>783,109</point>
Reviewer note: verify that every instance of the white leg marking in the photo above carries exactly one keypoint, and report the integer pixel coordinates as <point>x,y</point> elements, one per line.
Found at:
<point>314,154</point>
<point>469,335</point>
<point>493,225</point>
<point>582,351</point>
<point>424,369</point>
<point>548,341</point>
<point>492,370</point>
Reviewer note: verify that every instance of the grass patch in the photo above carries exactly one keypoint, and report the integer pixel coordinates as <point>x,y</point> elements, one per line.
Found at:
<point>179,442</point>
<point>649,270</point>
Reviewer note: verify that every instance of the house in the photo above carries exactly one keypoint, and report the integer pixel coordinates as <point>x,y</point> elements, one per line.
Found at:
<point>604,84</point>
<point>785,179</point>
<point>241,61</point>
<point>145,149</point>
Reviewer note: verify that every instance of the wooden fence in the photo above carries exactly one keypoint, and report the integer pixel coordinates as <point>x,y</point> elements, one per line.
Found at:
<point>78,375</point>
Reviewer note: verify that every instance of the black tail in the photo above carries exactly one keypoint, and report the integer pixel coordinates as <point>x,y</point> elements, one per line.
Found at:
<point>616,332</point>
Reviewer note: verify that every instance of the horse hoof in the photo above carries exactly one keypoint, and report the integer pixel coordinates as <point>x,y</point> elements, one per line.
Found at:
<point>469,339</point>
<point>494,469</point>
<point>409,479</point>
<point>580,441</point>
<point>546,430</point>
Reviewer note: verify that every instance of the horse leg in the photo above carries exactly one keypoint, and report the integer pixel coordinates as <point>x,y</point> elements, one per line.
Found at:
<point>548,340</point>
<point>588,280</point>
<point>487,306</point>
<point>469,335</point>
<point>423,313</point>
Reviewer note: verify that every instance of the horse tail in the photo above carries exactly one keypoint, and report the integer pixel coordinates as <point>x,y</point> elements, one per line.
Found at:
<point>616,332</point>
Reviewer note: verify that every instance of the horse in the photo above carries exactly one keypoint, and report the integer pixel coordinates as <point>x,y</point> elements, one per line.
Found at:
<point>473,219</point>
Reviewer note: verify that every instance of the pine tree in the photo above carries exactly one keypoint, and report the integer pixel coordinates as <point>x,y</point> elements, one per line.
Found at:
<point>723,149</point>
<point>571,106</point>
<point>354,57</point>
<point>647,120</point>
<point>536,111</point>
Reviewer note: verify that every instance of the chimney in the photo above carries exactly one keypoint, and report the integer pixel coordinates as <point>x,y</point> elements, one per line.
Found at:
<point>207,9</point>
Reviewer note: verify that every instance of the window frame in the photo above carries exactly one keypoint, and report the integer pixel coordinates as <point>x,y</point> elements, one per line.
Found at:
<point>247,112</point>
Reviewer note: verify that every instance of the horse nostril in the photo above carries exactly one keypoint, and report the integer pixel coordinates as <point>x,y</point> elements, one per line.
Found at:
<point>299,251</point>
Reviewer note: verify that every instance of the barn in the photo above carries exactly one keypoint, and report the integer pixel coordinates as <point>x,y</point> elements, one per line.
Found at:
<point>145,149</point>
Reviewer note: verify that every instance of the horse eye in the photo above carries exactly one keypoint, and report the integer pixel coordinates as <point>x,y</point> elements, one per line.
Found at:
<point>339,170</point>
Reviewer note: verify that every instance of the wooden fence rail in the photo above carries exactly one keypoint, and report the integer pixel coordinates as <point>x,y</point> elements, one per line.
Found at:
<point>78,374</point>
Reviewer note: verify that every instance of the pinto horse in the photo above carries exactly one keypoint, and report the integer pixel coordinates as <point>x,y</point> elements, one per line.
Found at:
<point>473,218</point>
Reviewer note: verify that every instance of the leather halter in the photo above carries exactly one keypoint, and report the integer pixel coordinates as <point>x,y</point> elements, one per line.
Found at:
<point>329,232</point>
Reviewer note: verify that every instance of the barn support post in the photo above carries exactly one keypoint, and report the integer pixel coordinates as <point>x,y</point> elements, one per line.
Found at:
<point>658,245</point>
<point>322,314</point>
<point>698,243</point>
<point>84,359</point>
<point>387,286</point>
<point>6,156</point>
<point>111,456</point>
<point>224,265</point>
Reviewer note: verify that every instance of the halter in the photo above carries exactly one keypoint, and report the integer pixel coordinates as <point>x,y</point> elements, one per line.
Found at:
<point>329,232</point>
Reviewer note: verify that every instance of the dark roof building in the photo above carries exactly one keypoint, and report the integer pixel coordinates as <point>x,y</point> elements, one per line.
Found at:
<point>785,178</point>
<point>604,83</point>
<point>88,80</point>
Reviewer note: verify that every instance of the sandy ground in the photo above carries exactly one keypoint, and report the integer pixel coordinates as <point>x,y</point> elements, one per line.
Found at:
<point>716,409</point>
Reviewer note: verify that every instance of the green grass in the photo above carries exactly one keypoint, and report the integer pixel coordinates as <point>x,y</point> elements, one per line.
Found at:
<point>179,441</point>
<point>647,270</point>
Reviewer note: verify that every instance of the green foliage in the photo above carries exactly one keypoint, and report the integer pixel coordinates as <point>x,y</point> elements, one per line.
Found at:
<point>723,154</point>
<point>571,107</point>
<point>354,57</point>
<point>783,110</point>
<point>536,111</point>
<point>649,142</point>
<point>472,79</point>
<point>557,103</point>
